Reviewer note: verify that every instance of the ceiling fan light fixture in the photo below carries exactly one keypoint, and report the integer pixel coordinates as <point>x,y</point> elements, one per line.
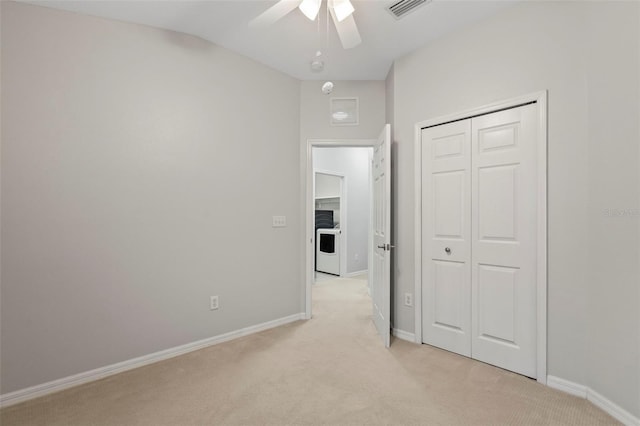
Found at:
<point>310,8</point>
<point>343,9</point>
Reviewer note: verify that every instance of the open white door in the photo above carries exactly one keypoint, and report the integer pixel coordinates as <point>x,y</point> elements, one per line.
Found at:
<point>381,220</point>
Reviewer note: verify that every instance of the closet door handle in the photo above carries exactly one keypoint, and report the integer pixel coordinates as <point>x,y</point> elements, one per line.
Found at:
<point>447,250</point>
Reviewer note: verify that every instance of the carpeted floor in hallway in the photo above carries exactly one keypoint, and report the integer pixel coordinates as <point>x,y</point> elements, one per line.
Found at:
<point>332,370</point>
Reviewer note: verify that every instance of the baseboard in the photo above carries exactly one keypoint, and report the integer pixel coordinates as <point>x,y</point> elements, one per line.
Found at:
<point>109,370</point>
<point>404,335</point>
<point>353,274</point>
<point>597,399</point>
<point>567,386</point>
<point>613,409</point>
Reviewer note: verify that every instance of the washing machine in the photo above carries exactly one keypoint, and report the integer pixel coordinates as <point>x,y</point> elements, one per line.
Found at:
<point>328,251</point>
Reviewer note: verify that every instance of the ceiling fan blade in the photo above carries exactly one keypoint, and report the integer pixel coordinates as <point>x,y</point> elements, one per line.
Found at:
<point>275,12</point>
<point>347,30</point>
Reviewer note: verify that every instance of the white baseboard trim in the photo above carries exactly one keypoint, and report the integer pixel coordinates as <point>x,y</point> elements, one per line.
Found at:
<point>597,399</point>
<point>404,335</point>
<point>613,409</point>
<point>353,274</point>
<point>109,370</point>
<point>567,386</point>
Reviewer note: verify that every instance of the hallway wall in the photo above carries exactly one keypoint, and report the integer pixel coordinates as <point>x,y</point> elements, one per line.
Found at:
<point>315,110</point>
<point>315,124</point>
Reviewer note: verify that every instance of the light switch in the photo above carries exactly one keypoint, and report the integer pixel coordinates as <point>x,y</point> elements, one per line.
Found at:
<point>279,221</point>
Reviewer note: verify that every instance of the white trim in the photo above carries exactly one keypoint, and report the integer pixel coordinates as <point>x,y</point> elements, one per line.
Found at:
<point>353,274</point>
<point>404,335</point>
<point>307,173</point>
<point>612,409</point>
<point>541,298</point>
<point>417,232</point>
<point>541,255</point>
<point>567,387</point>
<point>109,370</point>
<point>370,241</point>
<point>594,397</point>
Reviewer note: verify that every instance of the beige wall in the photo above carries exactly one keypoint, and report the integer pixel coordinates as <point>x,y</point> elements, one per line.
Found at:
<point>593,293</point>
<point>613,310</point>
<point>140,171</point>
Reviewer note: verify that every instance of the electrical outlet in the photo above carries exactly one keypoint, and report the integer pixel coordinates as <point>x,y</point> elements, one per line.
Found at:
<point>357,256</point>
<point>408,299</point>
<point>279,221</point>
<point>214,303</point>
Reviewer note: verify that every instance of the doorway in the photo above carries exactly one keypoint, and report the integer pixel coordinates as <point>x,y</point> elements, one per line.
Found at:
<point>330,214</point>
<point>378,256</point>
<point>342,200</point>
<point>481,226</point>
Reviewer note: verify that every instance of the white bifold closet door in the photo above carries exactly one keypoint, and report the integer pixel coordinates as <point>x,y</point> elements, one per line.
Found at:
<point>446,236</point>
<point>479,238</point>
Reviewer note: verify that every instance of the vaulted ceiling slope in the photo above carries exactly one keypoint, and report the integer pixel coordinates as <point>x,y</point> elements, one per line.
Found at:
<point>290,44</point>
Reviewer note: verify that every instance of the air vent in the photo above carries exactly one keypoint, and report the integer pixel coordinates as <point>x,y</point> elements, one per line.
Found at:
<point>404,7</point>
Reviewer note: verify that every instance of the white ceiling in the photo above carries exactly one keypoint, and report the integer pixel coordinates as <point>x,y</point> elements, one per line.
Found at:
<point>290,44</point>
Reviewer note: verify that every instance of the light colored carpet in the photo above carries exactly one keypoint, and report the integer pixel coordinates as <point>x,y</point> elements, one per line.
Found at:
<point>330,370</point>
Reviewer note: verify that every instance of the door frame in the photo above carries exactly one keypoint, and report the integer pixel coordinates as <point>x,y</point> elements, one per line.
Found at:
<point>310,238</point>
<point>343,214</point>
<point>540,98</point>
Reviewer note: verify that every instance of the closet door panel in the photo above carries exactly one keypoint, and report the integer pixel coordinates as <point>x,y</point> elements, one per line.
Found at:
<point>503,240</point>
<point>446,296</point>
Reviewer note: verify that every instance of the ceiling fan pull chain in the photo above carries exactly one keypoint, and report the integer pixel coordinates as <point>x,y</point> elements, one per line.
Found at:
<point>327,18</point>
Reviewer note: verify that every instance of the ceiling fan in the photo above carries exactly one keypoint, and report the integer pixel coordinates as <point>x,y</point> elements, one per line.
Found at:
<point>341,11</point>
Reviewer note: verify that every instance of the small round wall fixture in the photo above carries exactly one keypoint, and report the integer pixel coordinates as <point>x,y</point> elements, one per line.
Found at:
<point>327,87</point>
